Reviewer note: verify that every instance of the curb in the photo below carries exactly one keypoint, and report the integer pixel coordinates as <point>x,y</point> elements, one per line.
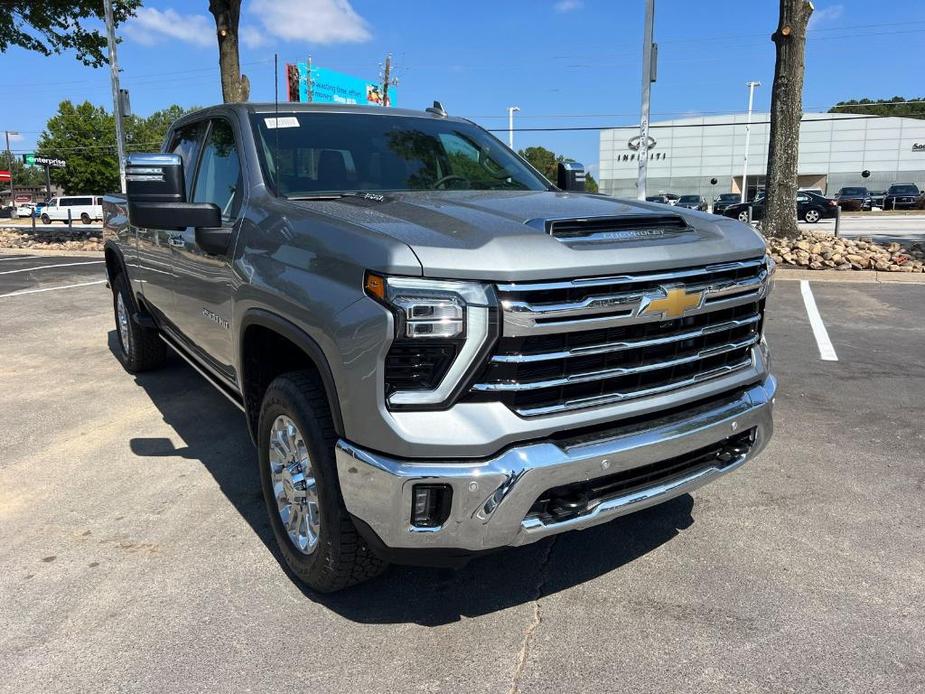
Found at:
<point>48,251</point>
<point>860,276</point>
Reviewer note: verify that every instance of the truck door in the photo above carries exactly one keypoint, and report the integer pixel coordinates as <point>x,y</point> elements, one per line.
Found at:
<point>154,245</point>
<point>204,283</point>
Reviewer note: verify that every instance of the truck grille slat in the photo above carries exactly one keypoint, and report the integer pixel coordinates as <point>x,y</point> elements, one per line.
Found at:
<point>542,368</point>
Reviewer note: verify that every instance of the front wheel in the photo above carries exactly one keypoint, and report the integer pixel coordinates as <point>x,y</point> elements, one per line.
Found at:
<point>298,475</point>
<point>140,348</point>
<point>811,216</point>
<point>85,218</point>
<point>46,219</point>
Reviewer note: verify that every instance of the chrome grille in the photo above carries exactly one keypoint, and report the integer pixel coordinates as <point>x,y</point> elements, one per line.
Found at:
<point>589,342</point>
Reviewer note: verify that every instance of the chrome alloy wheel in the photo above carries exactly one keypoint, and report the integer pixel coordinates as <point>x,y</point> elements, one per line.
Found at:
<point>812,216</point>
<point>743,216</point>
<point>122,321</point>
<point>294,485</point>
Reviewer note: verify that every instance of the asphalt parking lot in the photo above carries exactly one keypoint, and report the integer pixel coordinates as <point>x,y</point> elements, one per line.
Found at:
<point>135,554</point>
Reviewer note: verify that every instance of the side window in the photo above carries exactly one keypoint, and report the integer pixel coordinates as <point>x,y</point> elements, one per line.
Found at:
<point>186,142</point>
<point>219,177</point>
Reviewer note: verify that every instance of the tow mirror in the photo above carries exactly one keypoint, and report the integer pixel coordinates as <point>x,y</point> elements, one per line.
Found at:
<point>156,195</point>
<point>571,176</point>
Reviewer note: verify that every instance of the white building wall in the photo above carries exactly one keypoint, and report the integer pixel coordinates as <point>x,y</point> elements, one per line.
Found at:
<point>834,149</point>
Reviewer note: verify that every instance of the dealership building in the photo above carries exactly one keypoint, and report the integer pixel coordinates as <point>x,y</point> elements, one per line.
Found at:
<point>686,154</point>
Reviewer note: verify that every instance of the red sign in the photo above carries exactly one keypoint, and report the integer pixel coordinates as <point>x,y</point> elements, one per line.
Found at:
<point>6,176</point>
<point>22,197</point>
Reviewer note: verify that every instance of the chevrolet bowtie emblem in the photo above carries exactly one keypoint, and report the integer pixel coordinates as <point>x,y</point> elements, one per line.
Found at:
<point>675,303</point>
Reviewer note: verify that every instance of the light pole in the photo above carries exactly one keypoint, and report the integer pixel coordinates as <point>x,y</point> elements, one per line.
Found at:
<point>648,77</point>
<point>510,125</point>
<point>116,101</point>
<point>748,131</point>
<point>9,161</point>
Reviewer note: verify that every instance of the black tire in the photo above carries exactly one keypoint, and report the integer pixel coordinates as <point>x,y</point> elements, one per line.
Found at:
<point>45,219</point>
<point>142,349</point>
<point>341,557</point>
<point>85,218</point>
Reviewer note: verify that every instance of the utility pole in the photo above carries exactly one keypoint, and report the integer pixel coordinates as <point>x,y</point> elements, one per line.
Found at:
<point>748,127</point>
<point>387,80</point>
<point>510,125</point>
<point>116,101</point>
<point>9,161</point>
<point>648,77</point>
<point>309,91</point>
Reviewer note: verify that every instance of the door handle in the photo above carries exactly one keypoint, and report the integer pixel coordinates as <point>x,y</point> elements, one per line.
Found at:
<point>176,241</point>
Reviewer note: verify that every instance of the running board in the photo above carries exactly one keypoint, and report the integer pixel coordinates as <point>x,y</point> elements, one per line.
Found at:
<point>218,385</point>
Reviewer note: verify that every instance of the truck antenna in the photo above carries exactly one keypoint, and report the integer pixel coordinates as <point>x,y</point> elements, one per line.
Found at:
<point>276,122</point>
<point>437,109</point>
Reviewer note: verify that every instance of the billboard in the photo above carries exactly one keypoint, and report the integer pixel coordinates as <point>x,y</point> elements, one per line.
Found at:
<point>332,87</point>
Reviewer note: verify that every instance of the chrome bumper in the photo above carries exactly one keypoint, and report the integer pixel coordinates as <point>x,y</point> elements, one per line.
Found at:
<point>492,498</point>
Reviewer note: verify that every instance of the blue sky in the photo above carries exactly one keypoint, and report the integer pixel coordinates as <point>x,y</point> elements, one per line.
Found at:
<point>563,62</point>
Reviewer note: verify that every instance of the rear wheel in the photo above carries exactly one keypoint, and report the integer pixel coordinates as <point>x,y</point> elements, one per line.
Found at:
<point>812,215</point>
<point>85,218</point>
<point>140,349</point>
<point>45,219</point>
<point>298,474</point>
<point>743,216</point>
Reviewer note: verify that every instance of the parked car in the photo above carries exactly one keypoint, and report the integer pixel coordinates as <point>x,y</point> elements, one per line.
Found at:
<point>85,208</point>
<point>672,198</point>
<point>25,209</point>
<point>693,202</point>
<point>422,375</point>
<point>814,191</point>
<point>810,208</point>
<point>724,200</point>
<point>662,199</point>
<point>902,196</point>
<point>876,198</point>
<point>853,198</point>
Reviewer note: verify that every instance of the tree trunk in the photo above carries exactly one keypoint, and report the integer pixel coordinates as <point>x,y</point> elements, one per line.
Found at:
<point>227,13</point>
<point>786,111</point>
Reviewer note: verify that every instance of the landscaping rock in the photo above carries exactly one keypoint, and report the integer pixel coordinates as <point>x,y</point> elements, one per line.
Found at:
<point>820,251</point>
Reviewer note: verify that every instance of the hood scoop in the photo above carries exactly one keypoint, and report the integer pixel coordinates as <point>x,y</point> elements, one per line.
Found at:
<point>622,228</point>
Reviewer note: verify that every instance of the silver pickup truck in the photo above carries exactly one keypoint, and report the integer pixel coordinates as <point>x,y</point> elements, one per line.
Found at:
<point>437,352</point>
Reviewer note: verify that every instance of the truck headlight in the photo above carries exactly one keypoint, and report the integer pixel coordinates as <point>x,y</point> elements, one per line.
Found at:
<point>442,330</point>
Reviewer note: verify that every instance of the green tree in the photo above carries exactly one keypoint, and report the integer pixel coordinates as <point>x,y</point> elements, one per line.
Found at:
<point>53,26</point>
<point>897,106</point>
<point>547,163</point>
<point>26,176</point>
<point>590,184</point>
<point>81,135</point>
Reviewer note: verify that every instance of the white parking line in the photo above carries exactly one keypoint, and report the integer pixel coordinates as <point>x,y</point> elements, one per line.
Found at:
<point>47,267</point>
<point>18,257</point>
<point>826,349</point>
<point>21,292</point>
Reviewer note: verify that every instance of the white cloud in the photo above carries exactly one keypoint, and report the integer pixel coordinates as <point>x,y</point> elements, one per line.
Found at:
<point>313,21</point>
<point>825,15</point>
<point>151,26</point>
<point>251,36</point>
<point>568,5</point>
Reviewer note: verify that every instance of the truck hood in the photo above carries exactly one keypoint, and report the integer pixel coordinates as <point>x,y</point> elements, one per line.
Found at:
<point>502,235</point>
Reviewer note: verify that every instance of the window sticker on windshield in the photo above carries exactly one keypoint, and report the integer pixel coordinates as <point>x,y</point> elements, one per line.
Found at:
<point>285,122</point>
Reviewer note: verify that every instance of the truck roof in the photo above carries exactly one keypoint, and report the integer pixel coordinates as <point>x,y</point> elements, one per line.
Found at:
<point>290,107</point>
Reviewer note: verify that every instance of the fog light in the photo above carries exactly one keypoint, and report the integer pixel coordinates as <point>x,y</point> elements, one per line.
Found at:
<point>430,506</point>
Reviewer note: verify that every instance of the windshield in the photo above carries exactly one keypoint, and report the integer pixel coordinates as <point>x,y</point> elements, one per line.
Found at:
<point>314,153</point>
<point>903,190</point>
<point>728,197</point>
<point>854,191</point>
<point>689,198</point>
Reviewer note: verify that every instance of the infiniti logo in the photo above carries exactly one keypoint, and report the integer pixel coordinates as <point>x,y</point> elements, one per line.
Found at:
<point>635,141</point>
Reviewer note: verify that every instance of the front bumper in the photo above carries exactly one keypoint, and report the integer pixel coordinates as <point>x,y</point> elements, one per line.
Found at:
<point>492,498</point>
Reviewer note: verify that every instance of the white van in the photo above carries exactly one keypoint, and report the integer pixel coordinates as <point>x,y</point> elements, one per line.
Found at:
<point>82,208</point>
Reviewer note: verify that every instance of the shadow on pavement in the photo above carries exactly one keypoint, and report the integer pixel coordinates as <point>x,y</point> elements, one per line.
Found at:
<point>216,436</point>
